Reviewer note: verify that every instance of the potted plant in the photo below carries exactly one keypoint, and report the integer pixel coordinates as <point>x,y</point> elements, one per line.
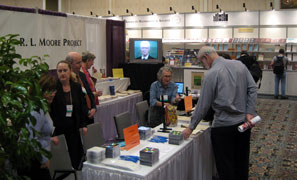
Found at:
<point>20,94</point>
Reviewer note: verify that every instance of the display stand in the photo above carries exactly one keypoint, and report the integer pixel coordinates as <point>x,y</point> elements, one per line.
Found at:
<point>164,129</point>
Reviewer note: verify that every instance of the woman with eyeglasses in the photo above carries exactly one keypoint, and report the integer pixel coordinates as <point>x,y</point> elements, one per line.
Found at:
<point>68,112</point>
<point>44,126</point>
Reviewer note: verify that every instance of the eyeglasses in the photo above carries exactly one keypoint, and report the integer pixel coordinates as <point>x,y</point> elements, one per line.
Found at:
<point>167,76</point>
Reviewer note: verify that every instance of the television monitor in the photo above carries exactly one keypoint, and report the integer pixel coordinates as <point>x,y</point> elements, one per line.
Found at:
<point>180,87</point>
<point>145,50</point>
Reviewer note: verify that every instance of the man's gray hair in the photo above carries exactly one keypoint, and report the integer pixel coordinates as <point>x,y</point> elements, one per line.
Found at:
<point>160,72</point>
<point>69,59</point>
<point>206,50</point>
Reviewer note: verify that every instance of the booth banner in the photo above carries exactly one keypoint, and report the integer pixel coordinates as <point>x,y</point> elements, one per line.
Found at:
<point>155,21</point>
<point>42,34</point>
<point>96,41</point>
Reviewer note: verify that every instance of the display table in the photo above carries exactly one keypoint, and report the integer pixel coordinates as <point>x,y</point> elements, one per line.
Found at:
<point>108,109</point>
<point>193,159</point>
<point>119,85</point>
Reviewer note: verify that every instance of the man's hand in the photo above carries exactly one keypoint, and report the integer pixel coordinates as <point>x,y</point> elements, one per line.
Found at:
<point>98,93</point>
<point>249,117</point>
<point>55,140</point>
<point>187,133</point>
<point>92,113</point>
<point>84,130</point>
<point>45,165</point>
<point>177,98</point>
<point>94,70</point>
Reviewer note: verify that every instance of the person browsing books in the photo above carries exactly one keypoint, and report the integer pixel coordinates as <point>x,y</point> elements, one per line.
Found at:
<point>229,88</point>
<point>279,64</point>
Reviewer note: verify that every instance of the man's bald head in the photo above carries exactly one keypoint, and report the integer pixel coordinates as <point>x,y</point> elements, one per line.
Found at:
<point>75,59</point>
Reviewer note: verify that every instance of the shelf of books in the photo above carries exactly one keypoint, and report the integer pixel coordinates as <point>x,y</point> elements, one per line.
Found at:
<point>263,48</point>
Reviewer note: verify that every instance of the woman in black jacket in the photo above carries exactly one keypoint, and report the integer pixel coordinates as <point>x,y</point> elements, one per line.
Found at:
<point>68,112</point>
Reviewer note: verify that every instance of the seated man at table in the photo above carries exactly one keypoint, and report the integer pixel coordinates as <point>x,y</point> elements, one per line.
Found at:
<point>162,87</point>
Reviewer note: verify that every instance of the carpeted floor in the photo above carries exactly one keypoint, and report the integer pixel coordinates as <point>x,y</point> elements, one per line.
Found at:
<point>273,153</point>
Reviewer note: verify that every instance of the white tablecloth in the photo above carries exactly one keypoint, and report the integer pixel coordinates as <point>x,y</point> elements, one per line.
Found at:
<point>108,109</point>
<point>119,85</point>
<point>191,160</point>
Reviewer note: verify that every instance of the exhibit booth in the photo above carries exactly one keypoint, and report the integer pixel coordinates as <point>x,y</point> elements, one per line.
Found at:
<point>260,33</point>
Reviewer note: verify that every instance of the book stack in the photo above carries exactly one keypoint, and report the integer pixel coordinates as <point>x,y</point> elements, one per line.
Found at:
<point>112,150</point>
<point>176,137</point>
<point>149,156</point>
<point>144,132</point>
<point>95,155</point>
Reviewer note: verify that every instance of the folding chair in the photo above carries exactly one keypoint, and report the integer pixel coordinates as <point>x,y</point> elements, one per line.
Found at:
<point>60,161</point>
<point>94,136</point>
<point>142,112</point>
<point>122,121</point>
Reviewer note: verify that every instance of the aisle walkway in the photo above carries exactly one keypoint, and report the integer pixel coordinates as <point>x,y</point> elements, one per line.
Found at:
<point>274,142</point>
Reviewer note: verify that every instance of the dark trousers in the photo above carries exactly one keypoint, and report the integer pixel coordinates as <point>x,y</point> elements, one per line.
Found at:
<point>89,120</point>
<point>231,150</point>
<point>75,149</point>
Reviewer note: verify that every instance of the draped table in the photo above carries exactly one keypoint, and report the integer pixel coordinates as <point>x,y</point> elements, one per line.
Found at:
<point>193,159</point>
<point>108,109</point>
<point>120,84</point>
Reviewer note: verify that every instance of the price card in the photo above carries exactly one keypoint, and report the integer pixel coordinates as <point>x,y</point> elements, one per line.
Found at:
<point>188,103</point>
<point>131,136</point>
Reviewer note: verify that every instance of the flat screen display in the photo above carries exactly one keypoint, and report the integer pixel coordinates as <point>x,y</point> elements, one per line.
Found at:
<point>145,50</point>
<point>180,87</point>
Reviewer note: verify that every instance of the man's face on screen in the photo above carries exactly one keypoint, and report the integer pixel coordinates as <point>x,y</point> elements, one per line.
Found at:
<point>145,48</point>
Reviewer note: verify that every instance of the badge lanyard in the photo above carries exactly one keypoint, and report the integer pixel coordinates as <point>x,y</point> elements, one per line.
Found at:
<point>69,108</point>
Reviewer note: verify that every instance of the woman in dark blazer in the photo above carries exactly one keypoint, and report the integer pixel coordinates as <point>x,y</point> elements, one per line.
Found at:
<point>68,112</point>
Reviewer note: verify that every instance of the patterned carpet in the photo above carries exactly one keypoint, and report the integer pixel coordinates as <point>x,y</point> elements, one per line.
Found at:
<point>273,153</point>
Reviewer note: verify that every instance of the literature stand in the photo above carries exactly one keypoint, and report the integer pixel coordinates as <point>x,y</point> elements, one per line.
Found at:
<point>164,129</point>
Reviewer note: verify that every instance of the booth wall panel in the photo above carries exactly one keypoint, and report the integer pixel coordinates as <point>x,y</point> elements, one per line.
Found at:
<point>152,33</point>
<point>272,32</point>
<point>220,33</point>
<point>196,33</point>
<point>292,32</point>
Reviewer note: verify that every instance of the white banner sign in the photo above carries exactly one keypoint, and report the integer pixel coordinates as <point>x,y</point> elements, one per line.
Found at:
<point>42,34</point>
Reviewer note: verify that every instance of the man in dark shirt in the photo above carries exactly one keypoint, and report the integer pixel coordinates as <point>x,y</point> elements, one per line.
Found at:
<point>145,51</point>
<point>75,59</point>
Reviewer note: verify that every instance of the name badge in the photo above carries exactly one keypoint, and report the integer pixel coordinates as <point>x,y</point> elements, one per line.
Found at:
<point>69,109</point>
<point>84,90</point>
<point>165,98</point>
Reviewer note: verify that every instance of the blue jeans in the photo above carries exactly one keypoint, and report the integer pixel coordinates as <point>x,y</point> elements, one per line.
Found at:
<point>281,78</point>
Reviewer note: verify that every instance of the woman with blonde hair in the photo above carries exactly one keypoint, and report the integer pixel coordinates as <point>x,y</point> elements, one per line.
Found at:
<point>68,112</point>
